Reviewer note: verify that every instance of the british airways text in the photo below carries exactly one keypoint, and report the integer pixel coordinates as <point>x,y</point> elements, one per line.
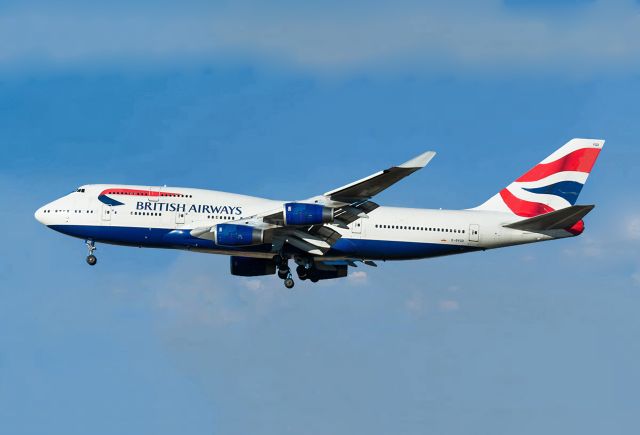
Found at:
<point>194,208</point>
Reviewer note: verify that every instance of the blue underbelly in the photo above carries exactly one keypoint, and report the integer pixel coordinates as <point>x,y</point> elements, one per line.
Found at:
<point>182,239</point>
<point>394,250</point>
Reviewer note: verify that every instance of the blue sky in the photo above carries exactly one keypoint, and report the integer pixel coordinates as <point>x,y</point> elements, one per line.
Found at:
<point>289,101</point>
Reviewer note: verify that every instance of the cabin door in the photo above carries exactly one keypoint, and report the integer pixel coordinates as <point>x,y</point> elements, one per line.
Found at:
<point>356,226</point>
<point>107,211</point>
<point>180,217</point>
<point>474,233</point>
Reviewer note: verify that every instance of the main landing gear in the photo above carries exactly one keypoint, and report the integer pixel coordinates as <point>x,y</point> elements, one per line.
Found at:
<point>282,263</point>
<point>306,271</point>
<point>91,259</point>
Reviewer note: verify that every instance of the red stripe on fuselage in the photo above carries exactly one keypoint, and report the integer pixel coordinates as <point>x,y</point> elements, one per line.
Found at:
<point>523,208</point>
<point>138,192</point>
<point>581,160</point>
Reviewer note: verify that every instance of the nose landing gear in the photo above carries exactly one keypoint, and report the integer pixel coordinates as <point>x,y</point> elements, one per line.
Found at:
<point>91,259</point>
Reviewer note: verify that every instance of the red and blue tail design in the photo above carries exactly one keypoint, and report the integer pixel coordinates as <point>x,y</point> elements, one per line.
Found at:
<point>552,184</point>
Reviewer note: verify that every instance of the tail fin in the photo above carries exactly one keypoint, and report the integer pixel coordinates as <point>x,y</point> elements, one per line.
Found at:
<point>552,184</point>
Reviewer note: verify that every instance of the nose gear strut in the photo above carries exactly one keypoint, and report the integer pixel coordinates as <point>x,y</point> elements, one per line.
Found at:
<point>91,246</point>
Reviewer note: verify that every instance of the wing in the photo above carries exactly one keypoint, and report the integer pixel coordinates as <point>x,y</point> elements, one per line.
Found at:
<point>349,203</point>
<point>352,201</point>
<point>370,186</point>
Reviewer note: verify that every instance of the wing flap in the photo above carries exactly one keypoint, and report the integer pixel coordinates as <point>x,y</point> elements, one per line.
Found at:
<point>353,212</point>
<point>315,240</point>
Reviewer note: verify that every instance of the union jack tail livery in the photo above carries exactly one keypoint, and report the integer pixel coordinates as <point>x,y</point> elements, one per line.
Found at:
<point>553,184</point>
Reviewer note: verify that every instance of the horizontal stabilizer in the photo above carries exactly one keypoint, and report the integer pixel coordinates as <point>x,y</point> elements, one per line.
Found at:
<point>556,220</point>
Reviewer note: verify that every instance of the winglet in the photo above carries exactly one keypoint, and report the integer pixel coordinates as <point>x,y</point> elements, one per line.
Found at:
<point>419,161</point>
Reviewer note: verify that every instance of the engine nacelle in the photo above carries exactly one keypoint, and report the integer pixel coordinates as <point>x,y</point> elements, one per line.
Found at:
<point>245,266</point>
<point>297,213</point>
<point>238,235</point>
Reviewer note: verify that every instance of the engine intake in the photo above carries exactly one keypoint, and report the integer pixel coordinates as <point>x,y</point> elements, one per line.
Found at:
<point>296,213</point>
<point>238,235</point>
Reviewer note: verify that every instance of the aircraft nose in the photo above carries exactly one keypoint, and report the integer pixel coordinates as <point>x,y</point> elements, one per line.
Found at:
<point>39,215</point>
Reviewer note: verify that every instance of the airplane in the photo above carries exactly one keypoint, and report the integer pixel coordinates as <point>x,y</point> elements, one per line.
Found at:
<point>326,234</point>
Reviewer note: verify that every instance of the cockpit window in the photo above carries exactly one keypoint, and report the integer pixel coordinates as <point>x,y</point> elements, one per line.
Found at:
<point>81,190</point>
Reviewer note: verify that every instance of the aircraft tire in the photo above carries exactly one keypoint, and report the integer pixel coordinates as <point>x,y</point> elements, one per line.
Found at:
<point>92,260</point>
<point>302,272</point>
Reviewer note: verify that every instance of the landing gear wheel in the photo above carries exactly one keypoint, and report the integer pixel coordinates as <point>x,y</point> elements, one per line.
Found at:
<point>303,273</point>
<point>313,275</point>
<point>283,273</point>
<point>92,260</point>
<point>289,283</point>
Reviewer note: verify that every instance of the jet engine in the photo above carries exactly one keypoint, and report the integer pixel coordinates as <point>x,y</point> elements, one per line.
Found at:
<point>238,235</point>
<point>297,213</point>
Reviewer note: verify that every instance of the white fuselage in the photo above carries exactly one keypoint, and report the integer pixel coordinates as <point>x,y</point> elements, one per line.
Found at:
<point>164,216</point>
